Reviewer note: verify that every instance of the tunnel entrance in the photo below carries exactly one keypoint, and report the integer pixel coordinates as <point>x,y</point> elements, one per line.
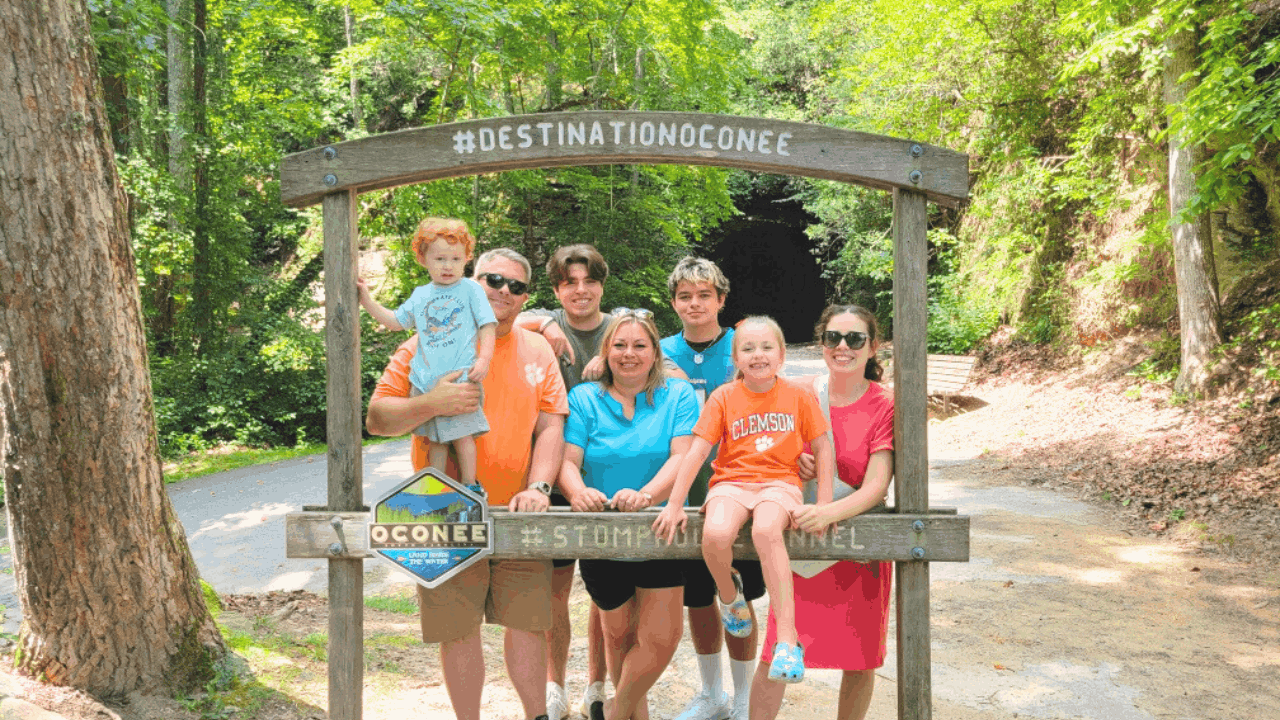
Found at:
<point>766,256</point>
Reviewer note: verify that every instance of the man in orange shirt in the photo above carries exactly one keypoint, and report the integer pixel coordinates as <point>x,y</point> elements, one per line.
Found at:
<point>517,461</point>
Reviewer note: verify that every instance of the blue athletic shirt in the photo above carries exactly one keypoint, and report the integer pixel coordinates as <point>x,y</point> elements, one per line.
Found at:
<point>625,454</point>
<point>715,369</point>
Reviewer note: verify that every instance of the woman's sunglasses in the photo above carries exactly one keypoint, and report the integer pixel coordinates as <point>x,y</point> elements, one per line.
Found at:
<point>496,282</point>
<point>638,313</point>
<point>853,339</point>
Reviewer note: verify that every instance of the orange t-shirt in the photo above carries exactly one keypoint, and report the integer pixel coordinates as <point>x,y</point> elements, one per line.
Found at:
<point>523,380</point>
<point>761,435</point>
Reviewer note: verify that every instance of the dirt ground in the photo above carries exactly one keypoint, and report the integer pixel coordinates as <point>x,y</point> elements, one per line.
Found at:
<point>1122,568</point>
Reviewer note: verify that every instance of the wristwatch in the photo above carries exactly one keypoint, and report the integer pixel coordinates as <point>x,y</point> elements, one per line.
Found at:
<point>542,487</point>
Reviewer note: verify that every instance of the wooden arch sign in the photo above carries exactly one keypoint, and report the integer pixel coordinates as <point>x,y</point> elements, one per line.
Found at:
<point>601,138</point>
<point>914,172</point>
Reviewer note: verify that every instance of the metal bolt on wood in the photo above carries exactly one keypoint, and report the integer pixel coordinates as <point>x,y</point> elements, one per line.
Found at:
<point>336,523</point>
<point>330,179</point>
<point>918,526</point>
<point>916,151</point>
<point>331,153</point>
<point>915,177</point>
<point>917,553</point>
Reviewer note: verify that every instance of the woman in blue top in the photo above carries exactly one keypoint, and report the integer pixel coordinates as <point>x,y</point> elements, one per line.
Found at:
<point>624,440</point>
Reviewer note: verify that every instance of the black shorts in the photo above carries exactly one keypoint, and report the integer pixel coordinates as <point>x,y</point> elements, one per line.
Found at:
<point>558,500</point>
<point>700,588</point>
<point>611,583</point>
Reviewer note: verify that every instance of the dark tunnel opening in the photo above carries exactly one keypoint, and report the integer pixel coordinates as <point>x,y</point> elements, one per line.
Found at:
<point>766,256</point>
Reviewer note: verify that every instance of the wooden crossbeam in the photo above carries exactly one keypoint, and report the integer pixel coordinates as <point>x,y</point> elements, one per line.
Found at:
<point>937,537</point>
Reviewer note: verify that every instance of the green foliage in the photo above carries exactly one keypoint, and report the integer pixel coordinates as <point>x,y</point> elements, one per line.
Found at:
<point>1235,105</point>
<point>1058,103</point>
<point>1161,366</point>
<point>211,600</point>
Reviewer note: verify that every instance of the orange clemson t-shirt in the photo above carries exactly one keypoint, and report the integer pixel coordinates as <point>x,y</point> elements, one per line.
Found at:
<point>761,435</point>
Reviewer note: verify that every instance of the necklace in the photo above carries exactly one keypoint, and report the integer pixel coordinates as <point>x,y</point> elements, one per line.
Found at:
<point>699,348</point>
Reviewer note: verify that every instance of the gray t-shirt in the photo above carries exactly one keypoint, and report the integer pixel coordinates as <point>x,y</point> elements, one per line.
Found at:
<point>585,345</point>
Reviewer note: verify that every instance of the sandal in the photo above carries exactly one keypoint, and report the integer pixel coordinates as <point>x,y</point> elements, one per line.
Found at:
<point>788,663</point>
<point>736,616</point>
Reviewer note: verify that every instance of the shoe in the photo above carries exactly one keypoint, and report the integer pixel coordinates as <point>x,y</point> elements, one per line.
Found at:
<point>740,712</point>
<point>704,707</point>
<point>736,616</point>
<point>788,663</point>
<point>593,701</point>
<point>557,703</point>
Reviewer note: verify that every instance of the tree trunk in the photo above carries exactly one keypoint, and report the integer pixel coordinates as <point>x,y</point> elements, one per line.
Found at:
<point>179,59</point>
<point>178,91</point>
<point>201,247</point>
<point>1192,246</point>
<point>110,596</point>
<point>348,24</point>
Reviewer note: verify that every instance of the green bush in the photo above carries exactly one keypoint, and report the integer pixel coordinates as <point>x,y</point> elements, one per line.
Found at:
<point>265,386</point>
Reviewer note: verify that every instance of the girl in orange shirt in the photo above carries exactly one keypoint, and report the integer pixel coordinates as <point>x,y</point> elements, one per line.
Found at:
<point>761,422</point>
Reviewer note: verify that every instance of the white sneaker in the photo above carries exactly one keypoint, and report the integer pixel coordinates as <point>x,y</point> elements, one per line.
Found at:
<point>593,701</point>
<point>741,711</point>
<point>557,703</point>
<point>704,707</point>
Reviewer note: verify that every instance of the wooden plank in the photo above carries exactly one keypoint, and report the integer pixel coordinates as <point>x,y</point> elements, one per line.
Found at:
<point>910,308</point>
<point>915,682</point>
<point>945,366</point>
<point>965,360</point>
<point>345,479</point>
<point>597,138</point>
<point>342,348</point>
<point>952,376</point>
<point>911,446</point>
<point>346,639</point>
<point>944,537</point>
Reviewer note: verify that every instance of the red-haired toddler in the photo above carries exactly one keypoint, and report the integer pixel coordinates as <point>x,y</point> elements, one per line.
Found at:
<point>456,331</point>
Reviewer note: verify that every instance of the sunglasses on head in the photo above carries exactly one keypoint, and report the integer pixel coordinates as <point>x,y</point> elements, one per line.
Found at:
<point>853,339</point>
<point>638,313</point>
<point>496,282</point>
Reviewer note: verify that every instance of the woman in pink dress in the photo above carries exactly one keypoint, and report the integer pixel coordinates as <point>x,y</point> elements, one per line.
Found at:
<point>842,611</point>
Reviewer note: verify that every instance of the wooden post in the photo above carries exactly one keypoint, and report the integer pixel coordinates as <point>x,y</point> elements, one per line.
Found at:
<point>911,456</point>
<point>342,345</point>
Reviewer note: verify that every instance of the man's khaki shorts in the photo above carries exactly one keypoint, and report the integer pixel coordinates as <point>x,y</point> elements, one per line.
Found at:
<point>512,593</point>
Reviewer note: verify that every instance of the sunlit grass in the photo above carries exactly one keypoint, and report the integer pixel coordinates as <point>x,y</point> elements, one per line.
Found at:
<point>403,604</point>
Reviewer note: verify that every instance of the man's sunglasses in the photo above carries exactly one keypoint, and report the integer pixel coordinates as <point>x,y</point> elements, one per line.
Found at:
<point>496,282</point>
<point>853,339</point>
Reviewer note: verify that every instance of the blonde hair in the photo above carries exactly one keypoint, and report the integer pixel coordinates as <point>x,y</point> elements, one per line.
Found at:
<point>698,270</point>
<point>764,320</point>
<point>450,230</point>
<point>657,373</point>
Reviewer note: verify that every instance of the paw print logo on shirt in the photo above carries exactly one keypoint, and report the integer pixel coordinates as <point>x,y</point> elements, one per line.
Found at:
<point>534,374</point>
<point>764,442</point>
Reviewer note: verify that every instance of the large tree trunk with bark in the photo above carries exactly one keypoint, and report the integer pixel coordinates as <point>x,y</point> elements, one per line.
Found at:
<point>1192,246</point>
<point>110,595</point>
